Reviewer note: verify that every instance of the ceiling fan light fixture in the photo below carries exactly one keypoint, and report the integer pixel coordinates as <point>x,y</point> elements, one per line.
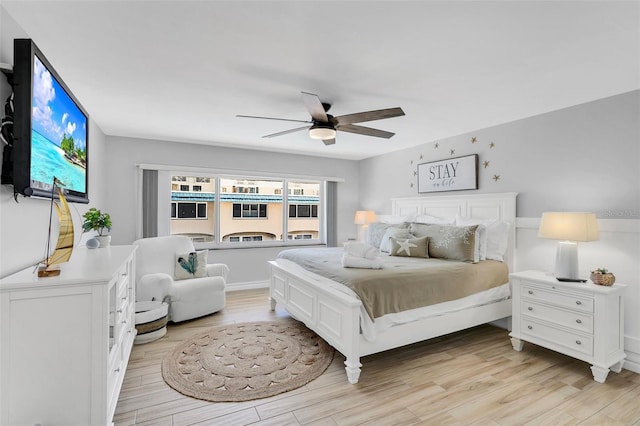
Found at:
<point>322,132</point>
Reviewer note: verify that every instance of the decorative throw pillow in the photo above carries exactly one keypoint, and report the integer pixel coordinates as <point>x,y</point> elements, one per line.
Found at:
<point>450,242</point>
<point>385,243</point>
<point>375,232</point>
<point>410,247</point>
<point>496,237</point>
<point>191,265</point>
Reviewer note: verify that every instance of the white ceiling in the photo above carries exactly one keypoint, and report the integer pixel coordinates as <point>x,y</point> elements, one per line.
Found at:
<point>181,70</point>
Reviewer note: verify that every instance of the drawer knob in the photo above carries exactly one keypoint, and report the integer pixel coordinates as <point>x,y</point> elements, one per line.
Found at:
<point>530,292</point>
<point>117,370</point>
<point>124,321</point>
<point>530,308</point>
<point>579,321</point>
<point>578,302</point>
<point>119,311</point>
<point>578,342</point>
<point>530,327</point>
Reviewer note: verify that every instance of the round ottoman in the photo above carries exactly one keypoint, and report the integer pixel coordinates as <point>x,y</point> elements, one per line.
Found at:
<point>151,321</point>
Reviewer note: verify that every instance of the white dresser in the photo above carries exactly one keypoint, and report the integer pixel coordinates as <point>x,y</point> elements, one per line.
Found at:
<point>582,320</point>
<point>65,341</point>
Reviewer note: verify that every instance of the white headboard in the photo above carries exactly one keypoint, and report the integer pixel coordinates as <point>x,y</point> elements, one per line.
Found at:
<point>500,206</point>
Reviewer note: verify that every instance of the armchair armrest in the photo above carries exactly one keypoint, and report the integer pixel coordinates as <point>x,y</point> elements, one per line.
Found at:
<point>217,270</point>
<point>154,287</point>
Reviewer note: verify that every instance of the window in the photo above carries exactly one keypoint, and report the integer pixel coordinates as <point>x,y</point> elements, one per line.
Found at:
<point>218,210</point>
<point>303,210</point>
<point>249,210</point>
<point>183,210</point>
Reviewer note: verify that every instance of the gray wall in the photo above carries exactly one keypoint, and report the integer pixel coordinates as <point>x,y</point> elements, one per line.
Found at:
<point>124,154</point>
<point>24,224</point>
<point>583,158</point>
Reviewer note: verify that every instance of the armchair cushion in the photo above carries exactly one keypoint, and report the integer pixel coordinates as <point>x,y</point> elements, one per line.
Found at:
<point>154,287</point>
<point>191,265</point>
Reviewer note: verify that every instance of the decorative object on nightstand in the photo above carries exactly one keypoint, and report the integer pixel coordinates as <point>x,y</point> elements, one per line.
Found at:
<point>363,218</point>
<point>570,228</point>
<point>602,277</point>
<point>583,321</point>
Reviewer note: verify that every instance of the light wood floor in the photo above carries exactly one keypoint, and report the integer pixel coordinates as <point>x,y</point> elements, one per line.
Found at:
<point>470,377</point>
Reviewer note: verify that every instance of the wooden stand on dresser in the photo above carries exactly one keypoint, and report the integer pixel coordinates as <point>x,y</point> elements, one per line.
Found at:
<point>582,320</point>
<point>65,341</point>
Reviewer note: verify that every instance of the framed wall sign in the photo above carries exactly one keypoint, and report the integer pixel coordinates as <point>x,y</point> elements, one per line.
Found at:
<point>452,174</point>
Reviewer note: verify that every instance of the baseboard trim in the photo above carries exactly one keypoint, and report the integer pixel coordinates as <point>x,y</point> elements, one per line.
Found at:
<point>249,285</point>
<point>632,349</point>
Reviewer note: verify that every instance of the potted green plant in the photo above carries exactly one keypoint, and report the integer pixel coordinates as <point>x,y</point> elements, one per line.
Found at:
<point>602,276</point>
<point>95,220</point>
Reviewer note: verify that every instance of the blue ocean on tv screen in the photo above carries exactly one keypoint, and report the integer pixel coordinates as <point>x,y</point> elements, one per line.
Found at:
<point>48,160</point>
<point>58,134</point>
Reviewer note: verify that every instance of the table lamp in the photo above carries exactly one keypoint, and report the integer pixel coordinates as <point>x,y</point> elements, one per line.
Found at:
<point>363,219</point>
<point>570,228</point>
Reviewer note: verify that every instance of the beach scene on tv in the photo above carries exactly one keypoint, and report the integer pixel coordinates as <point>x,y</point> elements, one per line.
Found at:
<point>58,134</point>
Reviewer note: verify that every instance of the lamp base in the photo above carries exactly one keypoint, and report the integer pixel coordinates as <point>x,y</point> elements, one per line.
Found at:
<point>567,261</point>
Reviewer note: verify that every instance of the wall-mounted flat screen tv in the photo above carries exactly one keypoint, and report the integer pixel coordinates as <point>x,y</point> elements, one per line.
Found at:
<point>50,129</point>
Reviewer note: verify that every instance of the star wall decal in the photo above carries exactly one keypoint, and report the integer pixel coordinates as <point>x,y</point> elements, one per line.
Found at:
<point>496,178</point>
<point>437,145</point>
<point>453,151</point>
<point>415,173</point>
<point>485,164</point>
<point>411,161</point>
<point>421,157</point>
<point>474,139</point>
<point>411,185</point>
<point>491,145</point>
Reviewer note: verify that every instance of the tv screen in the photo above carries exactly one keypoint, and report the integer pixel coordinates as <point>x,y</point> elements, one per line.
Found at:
<point>51,129</point>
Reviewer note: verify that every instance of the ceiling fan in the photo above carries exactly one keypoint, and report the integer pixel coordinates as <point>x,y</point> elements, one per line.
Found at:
<point>324,126</point>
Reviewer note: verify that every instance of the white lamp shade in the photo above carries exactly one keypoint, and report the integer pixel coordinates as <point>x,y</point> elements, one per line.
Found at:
<point>569,226</point>
<point>364,217</point>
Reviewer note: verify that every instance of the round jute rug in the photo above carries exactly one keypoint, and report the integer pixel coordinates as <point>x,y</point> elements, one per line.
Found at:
<point>240,362</point>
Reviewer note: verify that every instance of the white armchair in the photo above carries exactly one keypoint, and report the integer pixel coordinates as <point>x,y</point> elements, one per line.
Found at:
<point>156,279</point>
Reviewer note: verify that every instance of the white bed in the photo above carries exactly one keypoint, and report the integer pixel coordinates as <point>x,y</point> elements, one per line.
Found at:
<point>337,316</point>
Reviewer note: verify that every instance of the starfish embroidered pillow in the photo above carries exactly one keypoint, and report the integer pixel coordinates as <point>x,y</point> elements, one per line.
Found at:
<point>191,265</point>
<point>410,247</point>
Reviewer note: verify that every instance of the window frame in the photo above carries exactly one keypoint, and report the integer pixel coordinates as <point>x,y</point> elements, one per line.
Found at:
<point>219,177</point>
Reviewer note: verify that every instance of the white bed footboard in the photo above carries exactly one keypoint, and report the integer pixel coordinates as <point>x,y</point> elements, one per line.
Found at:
<point>333,315</point>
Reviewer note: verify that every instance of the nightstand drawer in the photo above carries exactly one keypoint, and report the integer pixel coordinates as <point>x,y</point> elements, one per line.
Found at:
<point>568,318</point>
<point>578,302</point>
<point>574,341</point>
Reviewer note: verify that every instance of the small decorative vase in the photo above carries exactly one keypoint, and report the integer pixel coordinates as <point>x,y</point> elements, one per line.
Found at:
<point>104,240</point>
<point>603,279</point>
<point>92,243</point>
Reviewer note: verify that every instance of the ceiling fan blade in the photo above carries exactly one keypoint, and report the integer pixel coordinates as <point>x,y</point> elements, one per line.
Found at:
<point>273,118</point>
<point>361,117</point>
<point>329,141</point>
<point>315,107</point>
<point>367,131</point>
<point>297,129</point>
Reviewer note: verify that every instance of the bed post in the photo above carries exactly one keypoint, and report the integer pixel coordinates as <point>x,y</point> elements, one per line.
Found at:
<point>352,349</point>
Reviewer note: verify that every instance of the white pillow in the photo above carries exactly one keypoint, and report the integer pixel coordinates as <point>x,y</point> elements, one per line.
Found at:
<point>495,236</point>
<point>393,219</point>
<point>386,244</point>
<point>435,220</point>
<point>191,265</point>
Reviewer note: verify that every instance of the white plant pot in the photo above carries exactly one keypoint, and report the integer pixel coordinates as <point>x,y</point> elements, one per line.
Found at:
<point>104,240</point>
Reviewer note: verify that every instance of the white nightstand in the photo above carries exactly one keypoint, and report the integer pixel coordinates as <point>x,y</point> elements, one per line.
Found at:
<point>581,320</point>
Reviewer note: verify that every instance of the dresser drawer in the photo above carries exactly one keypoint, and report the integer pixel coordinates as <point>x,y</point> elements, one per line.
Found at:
<point>573,301</point>
<point>574,341</point>
<point>581,321</point>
